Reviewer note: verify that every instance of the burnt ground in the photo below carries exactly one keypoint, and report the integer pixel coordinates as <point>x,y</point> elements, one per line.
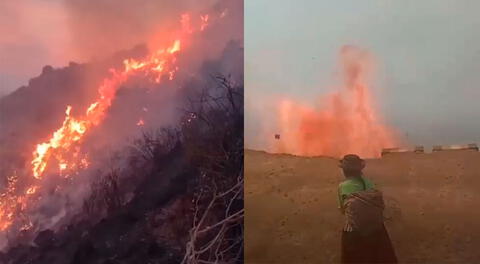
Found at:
<point>432,204</point>
<point>125,236</point>
<point>182,180</point>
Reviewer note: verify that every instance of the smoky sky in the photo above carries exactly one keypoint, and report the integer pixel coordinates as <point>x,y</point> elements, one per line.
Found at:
<point>428,56</point>
<point>35,33</point>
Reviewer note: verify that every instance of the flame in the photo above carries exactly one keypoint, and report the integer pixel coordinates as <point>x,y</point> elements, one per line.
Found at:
<point>175,47</point>
<point>140,122</point>
<point>63,166</point>
<point>73,129</point>
<point>9,203</point>
<point>32,190</point>
<point>346,122</point>
<point>84,163</point>
<point>60,146</point>
<point>61,150</point>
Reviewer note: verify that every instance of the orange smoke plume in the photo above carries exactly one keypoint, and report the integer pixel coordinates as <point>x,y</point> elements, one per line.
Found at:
<point>345,122</point>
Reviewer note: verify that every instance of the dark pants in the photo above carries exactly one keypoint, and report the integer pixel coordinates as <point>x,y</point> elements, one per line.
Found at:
<point>375,247</point>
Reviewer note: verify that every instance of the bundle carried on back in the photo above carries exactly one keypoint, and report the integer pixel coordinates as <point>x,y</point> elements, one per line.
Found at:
<point>364,211</point>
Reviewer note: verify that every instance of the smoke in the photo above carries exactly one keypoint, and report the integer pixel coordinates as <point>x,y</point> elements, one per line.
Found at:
<point>345,121</point>
<point>36,33</point>
<point>100,27</point>
<point>33,112</point>
<point>33,33</point>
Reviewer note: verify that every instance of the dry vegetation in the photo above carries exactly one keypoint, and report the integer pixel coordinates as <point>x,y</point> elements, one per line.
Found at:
<point>178,197</point>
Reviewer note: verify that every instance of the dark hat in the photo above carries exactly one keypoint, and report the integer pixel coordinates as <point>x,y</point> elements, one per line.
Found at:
<point>352,162</point>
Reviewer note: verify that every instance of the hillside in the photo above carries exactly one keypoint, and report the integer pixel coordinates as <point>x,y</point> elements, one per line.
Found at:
<point>178,190</point>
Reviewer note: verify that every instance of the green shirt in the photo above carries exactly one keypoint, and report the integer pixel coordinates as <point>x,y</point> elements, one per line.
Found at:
<point>352,185</point>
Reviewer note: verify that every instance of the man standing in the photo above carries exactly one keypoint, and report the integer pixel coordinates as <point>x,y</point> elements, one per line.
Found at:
<point>364,236</point>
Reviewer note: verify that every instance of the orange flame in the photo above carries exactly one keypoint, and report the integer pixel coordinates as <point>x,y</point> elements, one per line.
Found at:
<point>73,129</point>
<point>32,190</point>
<point>61,150</point>
<point>9,203</point>
<point>345,123</point>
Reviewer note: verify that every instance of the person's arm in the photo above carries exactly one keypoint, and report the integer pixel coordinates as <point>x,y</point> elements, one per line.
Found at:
<point>340,201</point>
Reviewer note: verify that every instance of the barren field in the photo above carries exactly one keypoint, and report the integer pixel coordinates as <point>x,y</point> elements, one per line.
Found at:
<point>432,199</point>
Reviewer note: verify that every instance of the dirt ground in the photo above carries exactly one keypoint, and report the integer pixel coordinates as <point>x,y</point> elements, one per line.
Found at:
<point>432,199</point>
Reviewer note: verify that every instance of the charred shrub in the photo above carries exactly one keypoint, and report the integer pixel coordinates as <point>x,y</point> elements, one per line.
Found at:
<point>212,132</point>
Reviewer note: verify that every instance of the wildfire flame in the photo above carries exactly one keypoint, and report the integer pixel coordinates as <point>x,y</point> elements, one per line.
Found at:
<point>62,146</point>
<point>346,122</point>
<point>73,129</point>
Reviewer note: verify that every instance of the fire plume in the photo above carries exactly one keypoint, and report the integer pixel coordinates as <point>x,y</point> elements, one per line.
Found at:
<point>73,129</point>
<point>346,121</point>
<point>60,153</point>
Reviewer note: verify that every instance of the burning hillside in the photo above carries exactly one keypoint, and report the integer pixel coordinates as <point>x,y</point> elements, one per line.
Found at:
<point>51,176</point>
<point>343,122</point>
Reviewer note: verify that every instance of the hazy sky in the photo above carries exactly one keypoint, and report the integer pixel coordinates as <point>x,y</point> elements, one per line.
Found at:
<point>33,34</point>
<point>428,53</point>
